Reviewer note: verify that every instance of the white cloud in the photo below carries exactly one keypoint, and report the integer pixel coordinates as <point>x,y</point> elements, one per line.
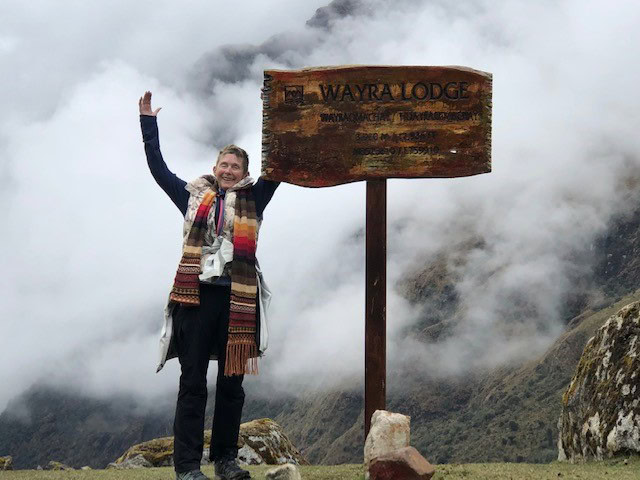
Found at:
<point>91,244</point>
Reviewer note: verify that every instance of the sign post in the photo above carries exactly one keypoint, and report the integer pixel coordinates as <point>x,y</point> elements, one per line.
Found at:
<point>375,320</point>
<point>329,126</point>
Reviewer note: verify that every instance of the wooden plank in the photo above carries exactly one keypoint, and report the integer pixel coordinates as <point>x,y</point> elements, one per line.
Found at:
<point>375,347</point>
<point>328,126</point>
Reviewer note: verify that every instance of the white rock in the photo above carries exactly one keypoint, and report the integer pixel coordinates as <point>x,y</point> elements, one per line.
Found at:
<point>389,431</point>
<point>248,456</point>
<point>285,472</point>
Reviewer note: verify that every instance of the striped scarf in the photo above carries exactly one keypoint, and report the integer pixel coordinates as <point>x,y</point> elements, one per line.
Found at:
<point>242,350</point>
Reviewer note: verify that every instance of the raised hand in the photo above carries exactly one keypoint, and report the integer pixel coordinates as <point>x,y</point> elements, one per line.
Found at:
<point>145,105</point>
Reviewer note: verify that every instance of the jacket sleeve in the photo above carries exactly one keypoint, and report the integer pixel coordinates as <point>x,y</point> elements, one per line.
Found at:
<point>263,190</point>
<point>172,185</point>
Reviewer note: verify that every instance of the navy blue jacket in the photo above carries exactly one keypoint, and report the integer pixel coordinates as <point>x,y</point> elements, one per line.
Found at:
<point>174,186</point>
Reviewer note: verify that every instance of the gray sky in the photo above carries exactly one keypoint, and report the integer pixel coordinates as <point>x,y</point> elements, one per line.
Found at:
<point>90,243</point>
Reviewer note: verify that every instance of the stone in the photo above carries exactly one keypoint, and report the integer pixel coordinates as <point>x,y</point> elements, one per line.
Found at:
<point>6,463</point>
<point>260,442</point>
<point>600,415</point>
<point>52,465</point>
<point>389,431</point>
<point>285,472</point>
<point>402,464</point>
<point>205,460</point>
<point>86,467</point>
<point>269,442</point>
<point>137,461</point>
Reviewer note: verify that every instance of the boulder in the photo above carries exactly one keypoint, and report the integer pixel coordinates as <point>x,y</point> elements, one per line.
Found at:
<point>601,408</point>
<point>6,463</point>
<point>389,431</point>
<point>264,441</point>
<point>402,464</point>
<point>52,465</point>
<point>260,442</point>
<point>285,472</point>
<point>158,452</point>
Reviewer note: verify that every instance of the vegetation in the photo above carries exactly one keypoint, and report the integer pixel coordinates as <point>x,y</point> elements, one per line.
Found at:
<point>614,469</point>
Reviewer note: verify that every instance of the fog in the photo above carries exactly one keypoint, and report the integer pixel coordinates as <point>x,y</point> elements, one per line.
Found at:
<point>91,244</point>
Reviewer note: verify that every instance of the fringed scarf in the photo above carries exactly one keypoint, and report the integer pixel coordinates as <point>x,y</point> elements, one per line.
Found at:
<point>242,350</point>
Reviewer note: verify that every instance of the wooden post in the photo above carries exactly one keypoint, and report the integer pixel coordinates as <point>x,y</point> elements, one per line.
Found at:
<point>322,127</point>
<point>375,344</point>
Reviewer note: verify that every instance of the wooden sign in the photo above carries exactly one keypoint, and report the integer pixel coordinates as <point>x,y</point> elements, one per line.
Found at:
<point>328,126</point>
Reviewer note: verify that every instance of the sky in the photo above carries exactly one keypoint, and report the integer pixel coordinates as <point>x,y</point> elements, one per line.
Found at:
<point>90,243</point>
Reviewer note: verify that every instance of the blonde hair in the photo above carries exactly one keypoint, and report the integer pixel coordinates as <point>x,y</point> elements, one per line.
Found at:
<point>238,152</point>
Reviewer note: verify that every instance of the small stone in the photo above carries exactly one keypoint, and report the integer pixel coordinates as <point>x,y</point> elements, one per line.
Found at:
<point>626,462</point>
<point>285,472</point>
<point>389,431</point>
<point>205,460</point>
<point>405,463</point>
<point>134,462</point>
<point>86,467</point>
<point>6,463</point>
<point>53,465</point>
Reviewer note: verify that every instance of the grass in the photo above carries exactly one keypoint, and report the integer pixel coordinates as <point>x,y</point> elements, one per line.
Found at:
<point>612,469</point>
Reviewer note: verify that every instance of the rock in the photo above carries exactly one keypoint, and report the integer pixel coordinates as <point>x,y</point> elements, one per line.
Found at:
<point>158,452</point>
<point>285,472</point>
<point>6,463</point>
<point>402,464</point>
<point>205,460</point>
<point>52,465</point>
<point>601,408</point>
<point>389,431</point>
<point>133,462</point>
<point>266,440</point>
<point>86,467</point>
<point>260,442</point>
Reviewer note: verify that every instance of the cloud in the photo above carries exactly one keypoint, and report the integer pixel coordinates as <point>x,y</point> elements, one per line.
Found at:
<point>91,243</point>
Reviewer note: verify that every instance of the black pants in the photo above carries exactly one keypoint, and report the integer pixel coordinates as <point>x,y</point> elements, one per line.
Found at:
<point>199,331</point>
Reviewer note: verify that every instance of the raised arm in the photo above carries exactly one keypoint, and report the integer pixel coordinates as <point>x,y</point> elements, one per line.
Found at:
<point>172,185</point>
<point>263,190</point>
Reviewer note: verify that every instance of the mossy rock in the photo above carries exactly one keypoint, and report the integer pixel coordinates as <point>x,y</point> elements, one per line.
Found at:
<point>158,452</point>
<point>260,442</point>
<point>269,442</point>
<point>601,408</point>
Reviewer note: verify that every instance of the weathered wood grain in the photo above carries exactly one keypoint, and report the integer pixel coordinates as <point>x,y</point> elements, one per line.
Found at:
<point>328,126</point>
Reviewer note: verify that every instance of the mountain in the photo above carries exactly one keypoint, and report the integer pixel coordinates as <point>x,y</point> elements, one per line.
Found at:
<point>508,414</point>
<point>74,429</point>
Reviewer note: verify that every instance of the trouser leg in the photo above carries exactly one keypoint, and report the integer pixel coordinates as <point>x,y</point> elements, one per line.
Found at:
<point>195,335</point>
<point>227,414</point>
<point>229,399</point>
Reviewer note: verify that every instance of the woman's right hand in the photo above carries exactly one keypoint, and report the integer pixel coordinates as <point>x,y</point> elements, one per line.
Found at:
<point>145,105</point>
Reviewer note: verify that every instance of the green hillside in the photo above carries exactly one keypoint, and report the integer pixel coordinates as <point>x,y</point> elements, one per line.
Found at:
<point>617,470</point>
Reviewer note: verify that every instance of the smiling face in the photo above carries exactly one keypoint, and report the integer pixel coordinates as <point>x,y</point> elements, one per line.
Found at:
<point>229,170</point>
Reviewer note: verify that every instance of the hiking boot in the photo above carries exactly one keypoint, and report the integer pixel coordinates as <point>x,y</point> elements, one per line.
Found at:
<point>191,475</point>
<point>227,469</point>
